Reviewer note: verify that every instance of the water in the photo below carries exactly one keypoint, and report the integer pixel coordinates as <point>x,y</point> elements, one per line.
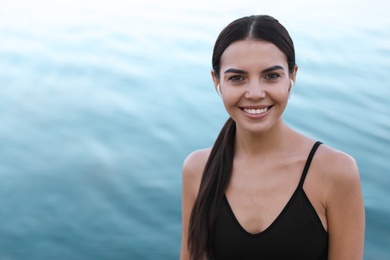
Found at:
<point>102,101</point>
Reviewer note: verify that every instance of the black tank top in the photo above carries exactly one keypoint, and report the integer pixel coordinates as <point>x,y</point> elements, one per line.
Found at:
<point>297,233</point>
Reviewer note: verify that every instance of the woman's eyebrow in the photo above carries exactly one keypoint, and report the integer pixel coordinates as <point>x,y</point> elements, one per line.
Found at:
<point>235,71</point>
<point>276,67</point>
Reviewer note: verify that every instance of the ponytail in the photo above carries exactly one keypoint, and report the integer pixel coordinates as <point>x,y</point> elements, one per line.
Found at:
<point>215,179</point>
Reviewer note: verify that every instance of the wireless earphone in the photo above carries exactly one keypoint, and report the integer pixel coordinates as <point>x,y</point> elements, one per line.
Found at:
<point>219,90</point>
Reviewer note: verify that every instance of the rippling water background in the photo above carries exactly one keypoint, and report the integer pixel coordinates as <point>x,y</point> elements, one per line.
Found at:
<point>101,101</point>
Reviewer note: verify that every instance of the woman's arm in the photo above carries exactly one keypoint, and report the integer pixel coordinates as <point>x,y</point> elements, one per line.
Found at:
<point>345,209</point>
<point>192,173</point>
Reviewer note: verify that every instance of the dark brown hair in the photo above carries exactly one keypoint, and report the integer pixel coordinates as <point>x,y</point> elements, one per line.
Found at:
<point>218,168</point>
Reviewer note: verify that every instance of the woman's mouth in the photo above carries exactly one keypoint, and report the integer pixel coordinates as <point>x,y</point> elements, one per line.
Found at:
<point>256,111</point>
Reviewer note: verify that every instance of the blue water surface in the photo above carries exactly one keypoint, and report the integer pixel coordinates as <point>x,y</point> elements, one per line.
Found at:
<point>101,101</point>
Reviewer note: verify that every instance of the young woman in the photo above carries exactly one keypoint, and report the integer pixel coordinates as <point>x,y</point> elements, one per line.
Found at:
<point>265,191</point>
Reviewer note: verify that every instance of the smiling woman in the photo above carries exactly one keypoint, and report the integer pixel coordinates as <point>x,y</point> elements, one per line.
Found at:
<point>265,191</point>
<point>249,71</point>
<point>90,161</point>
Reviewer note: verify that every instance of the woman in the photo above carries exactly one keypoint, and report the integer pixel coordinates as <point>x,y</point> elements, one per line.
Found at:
<point>265,191</point>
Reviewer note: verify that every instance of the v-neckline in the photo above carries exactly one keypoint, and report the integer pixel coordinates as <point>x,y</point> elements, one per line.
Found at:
<point>273,223</point>
<point>280,215</point>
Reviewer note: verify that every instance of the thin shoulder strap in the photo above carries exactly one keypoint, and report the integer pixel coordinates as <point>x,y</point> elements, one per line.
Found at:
<point>308,162</point>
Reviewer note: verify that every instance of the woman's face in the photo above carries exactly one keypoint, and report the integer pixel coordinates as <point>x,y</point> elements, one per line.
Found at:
<point>255,84</point>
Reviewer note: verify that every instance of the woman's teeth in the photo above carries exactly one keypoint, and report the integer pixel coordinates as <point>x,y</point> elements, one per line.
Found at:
<point>256,111</point>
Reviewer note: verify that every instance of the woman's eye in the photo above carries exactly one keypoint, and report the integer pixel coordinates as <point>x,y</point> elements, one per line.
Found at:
<point>236,78</point>
<point>272,76</point>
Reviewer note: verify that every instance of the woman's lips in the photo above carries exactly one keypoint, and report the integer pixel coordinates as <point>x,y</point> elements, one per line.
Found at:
<point>256,110</point>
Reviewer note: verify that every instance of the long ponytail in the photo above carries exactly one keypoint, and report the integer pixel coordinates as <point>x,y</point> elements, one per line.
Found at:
<point>212,188</point>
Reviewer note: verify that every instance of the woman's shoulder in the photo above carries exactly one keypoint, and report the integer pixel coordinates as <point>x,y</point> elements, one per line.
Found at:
<point>193,167</point>
<point>334,160</point>
<point>328,160</point>
<point>336,168</point>
<point>195,162</point>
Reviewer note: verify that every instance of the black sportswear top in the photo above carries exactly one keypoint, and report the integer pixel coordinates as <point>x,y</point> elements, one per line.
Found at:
<point>297,233</point>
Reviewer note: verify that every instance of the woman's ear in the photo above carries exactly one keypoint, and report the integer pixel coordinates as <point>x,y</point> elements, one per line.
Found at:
<point>293,75</point>
<point>215,80</point>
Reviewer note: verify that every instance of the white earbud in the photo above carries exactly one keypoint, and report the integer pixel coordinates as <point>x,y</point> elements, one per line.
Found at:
<point>292,85</point>
<point>219,91</point>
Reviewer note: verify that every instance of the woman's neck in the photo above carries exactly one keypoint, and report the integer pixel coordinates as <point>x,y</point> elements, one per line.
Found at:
<point>266,144</point>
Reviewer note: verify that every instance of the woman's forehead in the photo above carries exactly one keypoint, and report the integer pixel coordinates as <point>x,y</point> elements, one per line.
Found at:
<point>252,52</point>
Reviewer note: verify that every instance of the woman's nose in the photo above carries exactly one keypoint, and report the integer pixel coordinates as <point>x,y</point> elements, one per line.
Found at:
<point>255,91</point>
